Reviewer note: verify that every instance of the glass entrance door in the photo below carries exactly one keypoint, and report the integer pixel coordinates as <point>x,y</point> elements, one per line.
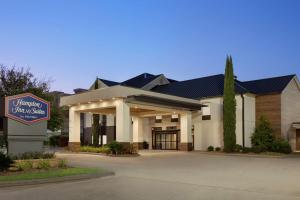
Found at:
<point>165,140</point>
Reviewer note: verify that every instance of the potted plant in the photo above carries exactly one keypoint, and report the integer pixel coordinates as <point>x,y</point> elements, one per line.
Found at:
<point>145,145</point>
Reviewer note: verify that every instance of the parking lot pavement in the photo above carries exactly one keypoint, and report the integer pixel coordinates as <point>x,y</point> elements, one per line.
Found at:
<point>175,175</point>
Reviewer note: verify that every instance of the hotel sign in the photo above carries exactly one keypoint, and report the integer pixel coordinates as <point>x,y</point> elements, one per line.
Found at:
<point>27,108</point>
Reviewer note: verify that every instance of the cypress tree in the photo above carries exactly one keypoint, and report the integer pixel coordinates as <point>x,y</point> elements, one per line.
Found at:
<point>229,108</point>
<point>96,125</point>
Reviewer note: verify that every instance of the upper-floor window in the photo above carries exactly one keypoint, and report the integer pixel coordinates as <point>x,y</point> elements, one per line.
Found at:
<point>174,118</point>
<point>206,114</point>
<point>158,119</point>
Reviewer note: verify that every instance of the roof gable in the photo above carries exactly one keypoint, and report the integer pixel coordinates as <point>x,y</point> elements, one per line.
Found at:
<point>140,80</point>
<point>268,85</point>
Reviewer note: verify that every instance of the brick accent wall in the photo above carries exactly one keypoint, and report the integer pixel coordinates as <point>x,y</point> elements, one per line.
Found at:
<point>270,107</point>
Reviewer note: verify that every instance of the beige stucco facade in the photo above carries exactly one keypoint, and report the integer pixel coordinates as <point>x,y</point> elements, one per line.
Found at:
<point>290,111</point>
<point>135,119</point>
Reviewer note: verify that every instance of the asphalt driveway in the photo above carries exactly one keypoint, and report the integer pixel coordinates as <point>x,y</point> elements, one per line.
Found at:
<point>175,175</point>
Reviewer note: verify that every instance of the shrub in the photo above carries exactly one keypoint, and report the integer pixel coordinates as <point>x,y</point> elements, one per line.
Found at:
<point>2,141</point>
<point>115,147</point>
<point>35,155</point>
<point>24,165</point>
<point>62,163</point>
<point>281,146</point>
<point>238,148</point>
<point>218,149</point>
<point>5,161</point>
<point>258,149</point>
<point>210,148</point>
<point>43,164</point>
<point>145,145</point>
<point>262,138</point>
<point>246,149</point>
<point>54,140</point>
<point>103,149</point>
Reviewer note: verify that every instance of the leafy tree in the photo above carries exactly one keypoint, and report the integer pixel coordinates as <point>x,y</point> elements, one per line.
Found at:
<point>15,81</point>
<point>229,118</point>
<point>262,138</point>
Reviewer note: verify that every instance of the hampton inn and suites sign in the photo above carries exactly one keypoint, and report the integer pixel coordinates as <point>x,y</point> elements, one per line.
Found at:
<point>27,108</point>
<point>25,122</point>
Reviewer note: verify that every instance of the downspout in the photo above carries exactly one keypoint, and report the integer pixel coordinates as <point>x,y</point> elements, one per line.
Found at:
<point>243,119</point>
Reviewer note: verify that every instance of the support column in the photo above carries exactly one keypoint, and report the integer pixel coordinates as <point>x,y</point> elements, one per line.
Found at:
<point>123,123</point>
<point>138,132</point>
<point>74,130</point>
<point>186,132</point>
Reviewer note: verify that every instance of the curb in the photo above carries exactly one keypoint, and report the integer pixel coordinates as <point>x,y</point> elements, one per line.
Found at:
<point>102,154</point>
<point>55,180</point>
<point>244,155</point>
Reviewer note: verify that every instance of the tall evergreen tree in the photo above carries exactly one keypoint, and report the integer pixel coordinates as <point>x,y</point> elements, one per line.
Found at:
<point>229,115</point>
<point>96,125</point>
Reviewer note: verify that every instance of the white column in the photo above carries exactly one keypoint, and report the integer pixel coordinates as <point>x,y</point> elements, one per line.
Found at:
<point>123,122</point>
<point>74,125</point>
<point>186,127</point>
<point>137,129</point>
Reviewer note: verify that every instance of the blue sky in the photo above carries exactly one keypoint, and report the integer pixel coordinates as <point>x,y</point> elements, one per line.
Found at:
<point>74,41</point>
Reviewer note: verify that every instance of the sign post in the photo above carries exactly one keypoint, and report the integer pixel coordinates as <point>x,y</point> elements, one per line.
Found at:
<point>25,123</point>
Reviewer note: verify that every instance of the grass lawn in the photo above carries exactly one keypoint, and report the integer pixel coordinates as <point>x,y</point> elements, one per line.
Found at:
<point>52,173</point>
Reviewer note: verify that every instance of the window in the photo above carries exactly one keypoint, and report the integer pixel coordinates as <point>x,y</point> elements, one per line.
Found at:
<point>158,119</point>
<point>206,112</point>
<point>174,118</point>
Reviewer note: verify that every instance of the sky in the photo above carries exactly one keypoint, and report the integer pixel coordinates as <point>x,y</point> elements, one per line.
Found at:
<point>73,42</point>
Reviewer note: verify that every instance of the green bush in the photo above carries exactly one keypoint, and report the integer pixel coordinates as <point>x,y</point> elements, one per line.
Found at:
<point>43,164</point>
<point>5,161</point>
<point>258,149</point>
<point>62,163</point>
<point>145,145</point>
<point>210,148</point>
<point>104,149</point>
<point>115,147</point>
<point>34,155</point>
<point>218,149</point>
<point>246,149</point>
<point>24,165</point>
<point>262,138</point>
<point>2,141</point>
<point>281,146</point>
<point>238,148</point>
<point>54,140</point>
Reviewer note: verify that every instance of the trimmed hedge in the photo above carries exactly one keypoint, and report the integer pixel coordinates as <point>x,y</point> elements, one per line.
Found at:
<point>59,140</point>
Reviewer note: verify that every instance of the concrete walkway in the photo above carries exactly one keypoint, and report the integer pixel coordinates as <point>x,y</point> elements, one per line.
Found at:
<point>175,175</point>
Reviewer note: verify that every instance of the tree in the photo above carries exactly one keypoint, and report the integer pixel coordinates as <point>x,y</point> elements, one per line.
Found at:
<point>262,138</point>
<point>229,109</point>
<point>15,81</point>
<point>96,125</point>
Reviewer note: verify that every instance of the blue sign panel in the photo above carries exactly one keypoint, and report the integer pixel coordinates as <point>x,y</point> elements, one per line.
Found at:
<point>27,108</point>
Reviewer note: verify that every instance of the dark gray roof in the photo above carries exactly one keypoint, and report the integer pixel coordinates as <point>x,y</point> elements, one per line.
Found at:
<point>108,83</point>
<point>209,86</point>
<point>268,85</point>
<point>140,80</point>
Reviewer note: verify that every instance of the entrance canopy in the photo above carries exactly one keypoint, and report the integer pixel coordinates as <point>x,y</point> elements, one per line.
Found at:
<point>131,95</point>
<point>129,104</point>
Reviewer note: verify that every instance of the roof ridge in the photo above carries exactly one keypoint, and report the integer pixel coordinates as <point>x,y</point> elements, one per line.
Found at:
<point>292,75</point>
<point>201,77</point>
